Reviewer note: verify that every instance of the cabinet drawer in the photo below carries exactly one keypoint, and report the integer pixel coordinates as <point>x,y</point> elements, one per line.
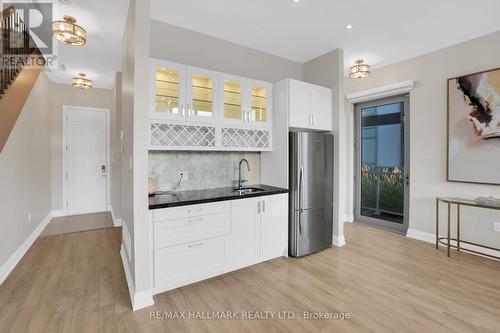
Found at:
<point>175,213</point>
<point>188,263</point>
<point>191,229</point>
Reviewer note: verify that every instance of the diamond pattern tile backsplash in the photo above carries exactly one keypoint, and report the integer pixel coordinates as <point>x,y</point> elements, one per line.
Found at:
<point>205,169</point>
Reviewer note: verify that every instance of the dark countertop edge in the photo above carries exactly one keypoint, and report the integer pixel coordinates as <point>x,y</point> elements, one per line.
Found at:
<point>218,199</point>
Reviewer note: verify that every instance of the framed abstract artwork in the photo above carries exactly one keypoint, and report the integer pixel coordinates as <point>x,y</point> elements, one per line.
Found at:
<point>474,128</point>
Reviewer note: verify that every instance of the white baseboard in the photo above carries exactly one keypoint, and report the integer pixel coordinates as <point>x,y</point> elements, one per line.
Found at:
<point>338,241</point>
<point>142,299</point>
<point>116,221</point>
<point>15,258</point>
<point>431,238</point>
<point>58,213</point>
<point>349,218</point>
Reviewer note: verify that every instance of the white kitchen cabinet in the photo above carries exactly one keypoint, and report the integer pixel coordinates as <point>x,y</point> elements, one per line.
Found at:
<point>273,228</point>
<point>168,90</point>
<point>243,245</point>
<point>187,263</point>
<point>309,106</point>
<point>183,93</point>
<point>196,242</point>
<point>199,109</point>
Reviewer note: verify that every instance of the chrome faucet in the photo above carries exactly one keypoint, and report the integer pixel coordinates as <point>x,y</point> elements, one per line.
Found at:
<point>240,181</point>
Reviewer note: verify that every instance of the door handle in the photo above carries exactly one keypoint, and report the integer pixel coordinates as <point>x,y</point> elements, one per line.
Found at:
<point>300,186</point>
<point>103,171</point>
<point>407,180</point>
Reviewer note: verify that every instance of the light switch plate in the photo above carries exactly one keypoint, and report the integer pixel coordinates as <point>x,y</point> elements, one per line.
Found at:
<point>496,227</point>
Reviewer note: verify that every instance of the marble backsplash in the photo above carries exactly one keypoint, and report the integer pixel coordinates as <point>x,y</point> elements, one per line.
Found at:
<point>205,169</point>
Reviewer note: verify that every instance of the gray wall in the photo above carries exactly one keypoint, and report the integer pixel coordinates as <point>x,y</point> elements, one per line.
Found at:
<point>428,131</point>
<point>116,147</point>
<point>205,169</point>
<point>327,70</point>
<point>25,172</point>
<point>60,95</point>
<point>127,125</point>
<point>187,47</point>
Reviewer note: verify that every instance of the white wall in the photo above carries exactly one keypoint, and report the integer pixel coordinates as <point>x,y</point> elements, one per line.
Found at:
<point>428,131</point>
<point>176,44</point>
<point>60,95</point>
<point>25,172</point>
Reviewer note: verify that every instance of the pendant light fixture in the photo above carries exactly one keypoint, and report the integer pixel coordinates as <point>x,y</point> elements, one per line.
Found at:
<point>81,82</point>
<point>360,70</point>
<point>68,32</point>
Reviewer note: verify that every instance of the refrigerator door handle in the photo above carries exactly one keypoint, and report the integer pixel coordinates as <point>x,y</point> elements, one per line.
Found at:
<point>300,223</point>
<point>301,173</point>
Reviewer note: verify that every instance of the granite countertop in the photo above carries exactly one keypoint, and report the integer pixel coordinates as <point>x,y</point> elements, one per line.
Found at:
<point>193,197</point>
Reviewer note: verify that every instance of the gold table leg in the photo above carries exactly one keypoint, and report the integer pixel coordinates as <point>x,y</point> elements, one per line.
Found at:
<point>449,227</point>
<point>458,227</point>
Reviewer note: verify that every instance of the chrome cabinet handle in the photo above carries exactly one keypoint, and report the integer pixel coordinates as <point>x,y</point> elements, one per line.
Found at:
<point>263,206</point>
<point>313,119</point>
<point>196,220</point>
<point>188,110</point>
<point>183,111</point>
<point>258,207</point>
<point>195,245</point>
<point>195,211</point>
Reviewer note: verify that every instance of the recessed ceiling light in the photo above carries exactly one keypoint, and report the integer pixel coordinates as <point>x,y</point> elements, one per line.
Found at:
<point>349,26</point>
<point>296,0</point>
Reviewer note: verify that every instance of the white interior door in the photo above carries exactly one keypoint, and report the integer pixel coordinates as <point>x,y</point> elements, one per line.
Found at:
<point>86,161</point>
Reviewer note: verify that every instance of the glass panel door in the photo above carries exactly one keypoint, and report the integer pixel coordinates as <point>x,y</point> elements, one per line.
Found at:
<point>233,102</point>
<point>260,103</point>
<point>381,167</point>
<point>202,95</point>
<point>168,91</point>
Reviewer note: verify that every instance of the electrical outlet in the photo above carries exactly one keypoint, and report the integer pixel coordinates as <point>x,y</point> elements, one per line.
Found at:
<point>29,217</point>
<point>496,227</point>
<point>185,175</point>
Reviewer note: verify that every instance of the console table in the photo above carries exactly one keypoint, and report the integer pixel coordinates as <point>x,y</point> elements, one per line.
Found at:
<point>446,240</point>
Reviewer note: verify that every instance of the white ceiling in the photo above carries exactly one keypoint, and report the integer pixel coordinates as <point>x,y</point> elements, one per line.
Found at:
<point>101,57</point>
<point>385,31</point>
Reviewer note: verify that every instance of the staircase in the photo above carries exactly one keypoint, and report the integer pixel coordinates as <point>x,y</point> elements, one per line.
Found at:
<point>17,75</point>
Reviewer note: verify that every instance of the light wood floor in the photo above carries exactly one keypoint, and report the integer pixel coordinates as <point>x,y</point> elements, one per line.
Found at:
<point>77,223</point>
<point>75,283</point>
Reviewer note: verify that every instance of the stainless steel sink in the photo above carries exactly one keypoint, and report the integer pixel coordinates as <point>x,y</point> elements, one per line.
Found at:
<point>247,190</point>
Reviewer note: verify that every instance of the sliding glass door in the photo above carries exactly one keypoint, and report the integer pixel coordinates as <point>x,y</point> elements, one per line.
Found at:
<point>381,168</point>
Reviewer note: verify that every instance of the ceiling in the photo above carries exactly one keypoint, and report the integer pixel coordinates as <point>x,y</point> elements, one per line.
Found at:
<point>384,31</point>
<point>101,57</point>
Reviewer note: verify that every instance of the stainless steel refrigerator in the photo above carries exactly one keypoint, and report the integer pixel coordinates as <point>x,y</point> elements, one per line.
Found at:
<point>311,192</point>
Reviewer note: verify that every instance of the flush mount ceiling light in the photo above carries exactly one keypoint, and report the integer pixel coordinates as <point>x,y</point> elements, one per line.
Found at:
<point>68,32</point>
<point>81,82</point>
<point>349,27</point>
<point>360,70</point>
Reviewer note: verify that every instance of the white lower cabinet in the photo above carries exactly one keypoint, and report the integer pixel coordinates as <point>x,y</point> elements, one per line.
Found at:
<point>243,245</point>
<point>273,232</point>
<point>193,243</point>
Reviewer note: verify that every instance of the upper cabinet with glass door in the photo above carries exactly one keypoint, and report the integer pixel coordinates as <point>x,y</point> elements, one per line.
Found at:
<point>245,102</point>
<point>168,82</point>
<point>260,103</point>
<point>184,93</point>
<point>202,87</point>
<point>233,100</point>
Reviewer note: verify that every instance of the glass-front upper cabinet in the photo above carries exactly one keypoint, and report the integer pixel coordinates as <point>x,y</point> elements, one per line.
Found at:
<point>233,100</point>
<point>202,98</point>
<point>168,87</point>
<point>260,103</point>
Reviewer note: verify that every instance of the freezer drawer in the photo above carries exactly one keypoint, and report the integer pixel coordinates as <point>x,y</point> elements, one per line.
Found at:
<point>311,231</point>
